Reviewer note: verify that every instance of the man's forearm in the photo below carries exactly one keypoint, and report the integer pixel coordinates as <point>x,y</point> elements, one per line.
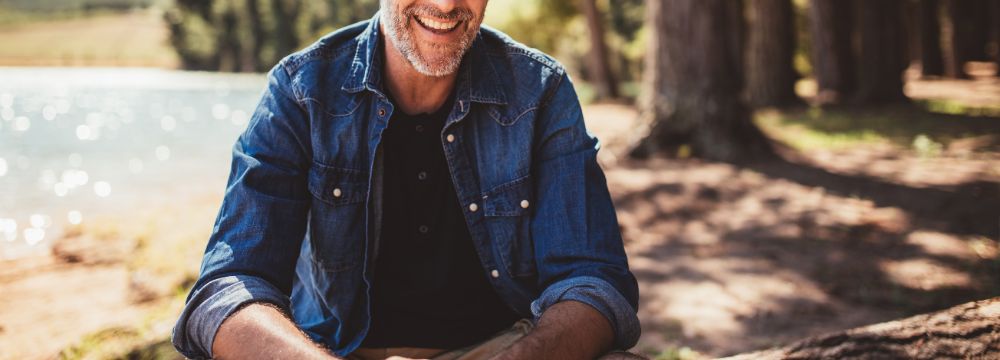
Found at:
<point>567,330</point>
<point>261,331</point>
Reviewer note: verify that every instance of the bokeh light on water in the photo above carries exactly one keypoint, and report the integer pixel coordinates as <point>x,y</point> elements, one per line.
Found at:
<point>75,143</point>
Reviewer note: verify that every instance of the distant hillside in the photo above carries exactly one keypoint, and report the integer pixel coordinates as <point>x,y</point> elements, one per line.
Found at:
<point>73,5</point>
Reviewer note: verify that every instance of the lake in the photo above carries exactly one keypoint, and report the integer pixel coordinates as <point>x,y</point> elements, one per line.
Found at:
<point>77,142</point>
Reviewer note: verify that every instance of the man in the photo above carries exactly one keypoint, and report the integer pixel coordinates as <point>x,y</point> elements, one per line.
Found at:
<point>414,186</point>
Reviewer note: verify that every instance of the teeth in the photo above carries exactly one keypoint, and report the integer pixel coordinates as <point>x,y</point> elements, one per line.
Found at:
<point>437,25</point>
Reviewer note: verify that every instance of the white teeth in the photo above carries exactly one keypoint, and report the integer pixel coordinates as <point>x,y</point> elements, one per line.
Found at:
<point>437,25</point>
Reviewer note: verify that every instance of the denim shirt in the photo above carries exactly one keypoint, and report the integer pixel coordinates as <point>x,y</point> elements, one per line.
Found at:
<point>298,224</point>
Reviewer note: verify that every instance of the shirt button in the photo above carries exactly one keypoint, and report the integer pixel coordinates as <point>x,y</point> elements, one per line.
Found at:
<point>381,112</point>
<point>473,207</point>
<point>423,229</point>
<point>422,175</point>
<point>337,192</point>
<point>495,274</point>
<point>419,128</point>
<point>524,204</point>
<point>450,138</point>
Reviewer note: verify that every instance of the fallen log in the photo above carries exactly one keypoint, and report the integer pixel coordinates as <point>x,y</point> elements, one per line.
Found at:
<point>967,331</point>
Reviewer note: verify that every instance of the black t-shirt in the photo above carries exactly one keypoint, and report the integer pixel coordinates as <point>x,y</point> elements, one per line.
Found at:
<point>429,287</point>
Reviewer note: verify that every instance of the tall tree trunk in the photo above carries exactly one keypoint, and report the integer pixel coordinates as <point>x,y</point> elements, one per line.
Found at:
<point>693,91</point>
<point>995,25</point>
<point>770,72</point>
<point>230,51</point>
<point>882,52</point>
<point>959,29</point>
<point>285,13</point>
<point>252,62</point>
<point>931,59</point>
<point>598,66</point>
<point>967,331</point>
<point>832,59</point>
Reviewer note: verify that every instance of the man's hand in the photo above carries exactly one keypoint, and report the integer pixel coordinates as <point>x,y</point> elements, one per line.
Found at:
<point>261,331</point>
<point>567,330</point>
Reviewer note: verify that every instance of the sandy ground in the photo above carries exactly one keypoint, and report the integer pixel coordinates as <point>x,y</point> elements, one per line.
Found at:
<point>729,259</point>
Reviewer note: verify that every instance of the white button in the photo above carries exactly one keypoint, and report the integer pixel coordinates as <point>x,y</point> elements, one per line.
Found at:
<point>337,192</point>
<point>450,138</point>
<point>495,274</point>
<point>473,207</point>
<point>524,204</point>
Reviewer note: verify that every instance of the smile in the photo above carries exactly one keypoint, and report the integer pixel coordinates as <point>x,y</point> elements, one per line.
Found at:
<point>436,26</point>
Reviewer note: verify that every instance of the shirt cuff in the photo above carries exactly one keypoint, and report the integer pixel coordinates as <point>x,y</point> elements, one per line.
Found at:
<point>207,308</point>
<point>600,295</point>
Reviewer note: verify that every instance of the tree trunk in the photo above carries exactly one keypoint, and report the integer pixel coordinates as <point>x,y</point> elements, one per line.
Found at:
<point>995,25</point>
<point>832,59</point>
<point>967,331</point>
<point>958,28</point>
<point>599,68</point>
<point>285,13</point>
<point>770,72</point>
<point>931,63</point>
<point>252,61</point>
<point>230,51</point>
<point>693,91</point>
<point>882,52</point>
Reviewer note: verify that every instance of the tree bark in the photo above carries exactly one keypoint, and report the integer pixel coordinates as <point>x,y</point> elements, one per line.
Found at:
<point>882,52</point>
<point>693,91</point>
<point>252,61</point>
<point>957,26</point>
<point>832,58</point>
<point>770,71</point>
<point>599,68</point>
<point>970,330</point>
<point>285,13</point>
<point>931,59</point>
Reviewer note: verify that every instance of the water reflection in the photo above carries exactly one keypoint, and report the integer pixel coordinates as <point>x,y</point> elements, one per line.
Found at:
<point>95,141</point>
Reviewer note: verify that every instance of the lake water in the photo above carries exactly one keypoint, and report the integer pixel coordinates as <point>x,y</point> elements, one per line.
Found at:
<point>75,142</point>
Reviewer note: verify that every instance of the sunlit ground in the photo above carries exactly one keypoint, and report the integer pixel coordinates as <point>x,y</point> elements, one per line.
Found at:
<point>110,180</point>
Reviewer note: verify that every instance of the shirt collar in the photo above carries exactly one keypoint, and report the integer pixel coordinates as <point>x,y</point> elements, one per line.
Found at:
<point>478,80</point>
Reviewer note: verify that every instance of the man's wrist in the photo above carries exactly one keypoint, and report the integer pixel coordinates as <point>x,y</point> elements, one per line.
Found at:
<point>567,330</point>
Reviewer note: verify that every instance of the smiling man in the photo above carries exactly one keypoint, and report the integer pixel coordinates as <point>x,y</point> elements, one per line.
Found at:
<point>414,186</point>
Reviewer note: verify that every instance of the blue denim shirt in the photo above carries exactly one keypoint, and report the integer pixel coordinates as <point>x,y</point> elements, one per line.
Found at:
<point>298,224</point>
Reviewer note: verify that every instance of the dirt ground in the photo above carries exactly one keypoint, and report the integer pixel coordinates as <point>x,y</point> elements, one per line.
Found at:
<point>729,259</point>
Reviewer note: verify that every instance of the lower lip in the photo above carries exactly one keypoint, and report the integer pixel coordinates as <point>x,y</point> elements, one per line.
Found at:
<point>438,34</point>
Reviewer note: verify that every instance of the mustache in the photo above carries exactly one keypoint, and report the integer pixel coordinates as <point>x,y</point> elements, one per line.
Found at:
<point>458,14</point>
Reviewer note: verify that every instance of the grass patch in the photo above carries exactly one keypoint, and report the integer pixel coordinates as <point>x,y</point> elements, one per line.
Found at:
<point>906,126</point>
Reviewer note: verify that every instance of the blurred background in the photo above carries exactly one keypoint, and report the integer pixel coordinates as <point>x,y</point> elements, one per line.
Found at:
<point>781,168</point>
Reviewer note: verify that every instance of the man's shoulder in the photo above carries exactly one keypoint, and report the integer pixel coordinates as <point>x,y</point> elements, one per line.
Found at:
<point>500,44</point>
<point>336,48</point>
<point>527,75</point>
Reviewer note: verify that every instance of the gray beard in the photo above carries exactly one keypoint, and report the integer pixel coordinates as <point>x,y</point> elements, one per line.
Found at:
<point>397,30</point>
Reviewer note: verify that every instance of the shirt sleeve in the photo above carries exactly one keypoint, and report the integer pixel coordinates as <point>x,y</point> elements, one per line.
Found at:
<point>578,246</point>
<point>258,234</point>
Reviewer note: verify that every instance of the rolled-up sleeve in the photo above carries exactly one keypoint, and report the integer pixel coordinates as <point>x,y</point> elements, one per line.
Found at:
<point>578,246</point>
<point>257,236</point>
<point>216,300</point>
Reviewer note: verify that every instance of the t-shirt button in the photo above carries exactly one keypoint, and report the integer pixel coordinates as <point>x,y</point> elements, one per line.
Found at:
<point>337,192</point>
<point>473,207</point>
<point>495,274</point>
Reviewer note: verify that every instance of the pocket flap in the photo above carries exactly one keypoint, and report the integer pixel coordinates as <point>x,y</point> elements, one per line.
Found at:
<point>509,199</point>
<point>337,186</point>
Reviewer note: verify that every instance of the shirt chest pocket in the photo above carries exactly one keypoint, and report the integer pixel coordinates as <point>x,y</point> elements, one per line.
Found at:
<point>507,209</point>
<point>337,217</point>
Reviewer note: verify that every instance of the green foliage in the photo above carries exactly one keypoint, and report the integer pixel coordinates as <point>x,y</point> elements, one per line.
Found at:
<point>557,27</point>
<point>253,35</point>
